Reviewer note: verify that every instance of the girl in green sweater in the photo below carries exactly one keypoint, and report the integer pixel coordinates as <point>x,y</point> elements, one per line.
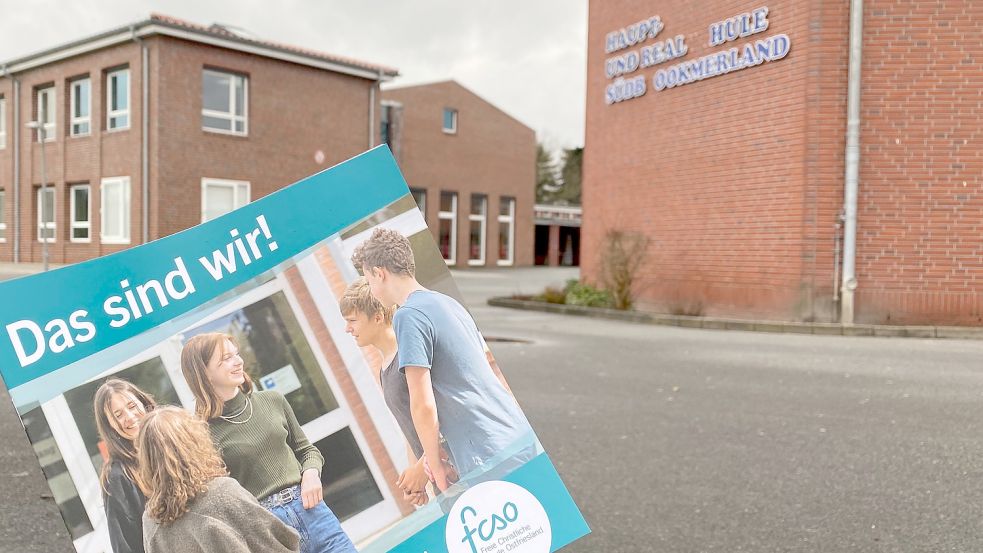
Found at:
<point>261,442</point>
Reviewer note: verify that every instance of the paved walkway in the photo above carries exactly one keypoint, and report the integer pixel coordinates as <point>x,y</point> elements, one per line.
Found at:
<point>15,270</point>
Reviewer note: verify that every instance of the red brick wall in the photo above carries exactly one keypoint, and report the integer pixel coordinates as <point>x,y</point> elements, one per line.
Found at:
<point>919,252</point>
<point>741,207</point>
<point>294,111</point>
<point>713,171</point>
<point>72,160</point>
<point>491,154</point>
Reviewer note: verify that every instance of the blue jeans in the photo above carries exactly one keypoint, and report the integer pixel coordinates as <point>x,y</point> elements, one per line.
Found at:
<point>319,529</point>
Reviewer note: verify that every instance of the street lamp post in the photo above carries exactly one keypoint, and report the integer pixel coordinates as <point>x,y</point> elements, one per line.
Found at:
<point>39,127</point>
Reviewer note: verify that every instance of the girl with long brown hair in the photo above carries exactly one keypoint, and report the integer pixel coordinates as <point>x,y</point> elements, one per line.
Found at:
<point>261,442</point>
<point>192,506</point>
<point>119,410</point>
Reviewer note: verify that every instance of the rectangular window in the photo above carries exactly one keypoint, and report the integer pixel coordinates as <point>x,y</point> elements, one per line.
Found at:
<point>45,110</point>
<point>506,231</point>
<point>81,106</point>
<point>3,122</point>
<point>447,228</point>
<point>3,216</point>
<point>224,99</point>
<point>477,222</point>
<point>220,196</point>
<point>115,193</point>
<point>450,121</point>
<point>46,214</point>
<point>81,213</point>
<point>420,195</point>
<point>118,100</point>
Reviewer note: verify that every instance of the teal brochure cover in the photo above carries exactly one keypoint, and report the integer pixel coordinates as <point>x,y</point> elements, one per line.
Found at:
<point>300,372</point>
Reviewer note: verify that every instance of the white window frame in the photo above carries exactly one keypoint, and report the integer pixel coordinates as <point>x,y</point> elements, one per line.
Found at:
<point>47,117</point>
<point>110,112</point>
<point>3,122</point>
<point>75,119</point>
<point>73,224</point>
<point>42,225</point>
<point>510,221</point>
<point>231,114</point>
<point>237,187</point>
<point>3,216</point>
<point>452,217</point>
<point>453,127</point>
<point>478,218</point>
<point>124,211</point>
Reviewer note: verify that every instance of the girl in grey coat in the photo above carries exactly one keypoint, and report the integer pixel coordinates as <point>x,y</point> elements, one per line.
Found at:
<point>192,506</point>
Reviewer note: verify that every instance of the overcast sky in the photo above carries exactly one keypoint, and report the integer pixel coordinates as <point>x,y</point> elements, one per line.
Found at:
<point>526,56</point>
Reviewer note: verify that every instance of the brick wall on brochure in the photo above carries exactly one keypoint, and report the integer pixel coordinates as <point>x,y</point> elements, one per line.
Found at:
<point>491,153</point>
<point>341,374</point>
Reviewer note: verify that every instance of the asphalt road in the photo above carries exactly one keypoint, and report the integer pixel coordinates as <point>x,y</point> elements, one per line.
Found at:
<point>695,440</point>
<point>680,440</point>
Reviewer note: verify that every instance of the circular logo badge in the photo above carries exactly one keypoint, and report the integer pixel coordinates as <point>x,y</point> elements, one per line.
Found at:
<point>498,517</point>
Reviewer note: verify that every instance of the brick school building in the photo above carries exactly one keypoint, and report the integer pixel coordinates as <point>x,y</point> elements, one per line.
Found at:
<point>720,134</point>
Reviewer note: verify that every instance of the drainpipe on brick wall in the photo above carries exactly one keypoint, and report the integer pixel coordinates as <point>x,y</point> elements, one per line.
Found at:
<point>16,184</point>
<point>849,285</point>
<point>372,89</point>
<point>145,138</point>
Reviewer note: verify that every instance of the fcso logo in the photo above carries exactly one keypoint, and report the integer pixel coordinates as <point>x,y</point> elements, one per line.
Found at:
<point>498,517</point>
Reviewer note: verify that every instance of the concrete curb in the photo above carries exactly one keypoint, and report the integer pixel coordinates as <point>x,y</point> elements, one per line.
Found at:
<point>826,329</point>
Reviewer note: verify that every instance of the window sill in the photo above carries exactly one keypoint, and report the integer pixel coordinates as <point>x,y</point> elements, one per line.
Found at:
<point>80,241</point>
<point>501,263</point>
<point>448,131</point>
<point>226,133</point>
<point>117,130</point>
<point>112,242</point>
<point>476,262</point>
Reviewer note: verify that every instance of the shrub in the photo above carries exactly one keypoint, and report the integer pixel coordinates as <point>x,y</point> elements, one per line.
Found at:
<point>552,295</point>
<point>587,296</point>
<point>624,254</point>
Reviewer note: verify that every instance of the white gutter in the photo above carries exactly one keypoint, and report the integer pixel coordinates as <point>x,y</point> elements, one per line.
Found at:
<point>144,139</point>
<point>372,88</point>
<point>849,284</point>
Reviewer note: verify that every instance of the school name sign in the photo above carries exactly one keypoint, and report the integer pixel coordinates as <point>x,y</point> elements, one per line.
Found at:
<point>634,50</point>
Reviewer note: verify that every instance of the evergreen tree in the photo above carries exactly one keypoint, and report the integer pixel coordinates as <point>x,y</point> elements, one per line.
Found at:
<point>571,175</point>
<point>546,185</point>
